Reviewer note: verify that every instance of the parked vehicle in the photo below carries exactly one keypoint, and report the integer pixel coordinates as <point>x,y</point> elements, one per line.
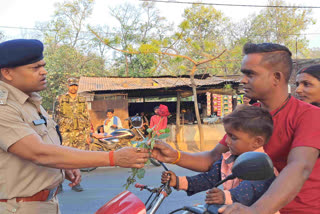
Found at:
<point>248,166</point>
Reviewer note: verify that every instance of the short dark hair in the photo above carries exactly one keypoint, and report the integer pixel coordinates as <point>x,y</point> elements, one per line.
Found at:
<point>110,110</point>
<point>313,70</point>
<point>252,120</point>
<point>155,108</point>
<point>278,56</point>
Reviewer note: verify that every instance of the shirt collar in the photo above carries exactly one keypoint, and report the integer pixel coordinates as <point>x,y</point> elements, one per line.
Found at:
<point>20,96</point>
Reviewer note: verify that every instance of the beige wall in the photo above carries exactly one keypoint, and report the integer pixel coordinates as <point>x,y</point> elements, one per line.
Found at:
<point>191,139</point>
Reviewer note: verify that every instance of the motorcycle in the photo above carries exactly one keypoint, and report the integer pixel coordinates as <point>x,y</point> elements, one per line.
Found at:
<point>248,166</point>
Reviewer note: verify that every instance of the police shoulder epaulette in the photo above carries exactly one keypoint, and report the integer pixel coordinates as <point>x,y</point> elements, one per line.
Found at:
<point>3,96</point>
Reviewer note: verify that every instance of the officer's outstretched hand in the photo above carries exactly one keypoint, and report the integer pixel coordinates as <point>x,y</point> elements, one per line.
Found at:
<point>73,175</point>
<point>164,152</point>
<point>131,157</point>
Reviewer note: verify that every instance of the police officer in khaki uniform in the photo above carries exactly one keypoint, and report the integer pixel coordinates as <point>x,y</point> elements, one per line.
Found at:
<point>72,116</point>
<point>32,161</point>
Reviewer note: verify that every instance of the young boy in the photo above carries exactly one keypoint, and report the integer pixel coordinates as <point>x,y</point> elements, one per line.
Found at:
<point>248,128</point>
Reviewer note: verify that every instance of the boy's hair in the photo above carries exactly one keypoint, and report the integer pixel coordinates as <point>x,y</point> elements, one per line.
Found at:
<point>278,56</point>
<point>155,108</point>
<point>252,120</point>
<point>110,110</point>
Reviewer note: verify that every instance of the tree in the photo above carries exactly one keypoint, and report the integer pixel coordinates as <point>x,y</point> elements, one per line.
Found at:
<point>137,25</point>
<point>69,51</point>
<point>315,53</point>
<point>64,62</point>
<point>68,23</point>
<point>281,25</point>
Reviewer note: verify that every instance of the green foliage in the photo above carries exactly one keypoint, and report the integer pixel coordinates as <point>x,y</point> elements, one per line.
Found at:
<point>148,48</point>
<point>281,25</point>
<point>141,29</point>
<point>64,62</point>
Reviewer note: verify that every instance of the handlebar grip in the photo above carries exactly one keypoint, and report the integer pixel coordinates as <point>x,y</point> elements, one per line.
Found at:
<point>141,186</point>
<point>213,208</point>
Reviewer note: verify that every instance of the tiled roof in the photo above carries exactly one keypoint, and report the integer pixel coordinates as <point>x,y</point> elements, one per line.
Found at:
<point>87,84</point>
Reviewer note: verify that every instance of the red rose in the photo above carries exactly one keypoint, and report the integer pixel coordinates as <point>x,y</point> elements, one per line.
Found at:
<point>163,111</point>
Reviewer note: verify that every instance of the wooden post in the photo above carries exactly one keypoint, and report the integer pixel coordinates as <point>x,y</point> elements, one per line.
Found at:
<point>196,108</point>
<point>178,127</point>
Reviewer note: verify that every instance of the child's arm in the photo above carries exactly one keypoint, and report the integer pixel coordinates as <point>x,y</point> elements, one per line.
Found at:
<point>215,196</point>
<point>204,181</point>
<point>247,192</point>
<point>169,175</point>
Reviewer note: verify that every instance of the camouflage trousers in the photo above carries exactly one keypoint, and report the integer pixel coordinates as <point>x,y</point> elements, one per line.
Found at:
<point>74,139</point>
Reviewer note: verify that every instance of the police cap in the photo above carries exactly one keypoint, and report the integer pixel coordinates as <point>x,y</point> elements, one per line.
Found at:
<point>72,81</point>
<point>18,52</point>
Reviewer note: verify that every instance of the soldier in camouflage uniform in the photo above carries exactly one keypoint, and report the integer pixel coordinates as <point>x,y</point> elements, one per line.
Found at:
<point>73,118</point>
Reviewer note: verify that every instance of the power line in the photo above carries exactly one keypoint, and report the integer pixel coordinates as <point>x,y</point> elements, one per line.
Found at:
<point>235,5</point>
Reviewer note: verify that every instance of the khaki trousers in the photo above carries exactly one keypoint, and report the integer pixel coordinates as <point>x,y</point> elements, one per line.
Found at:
<point>33,207</point>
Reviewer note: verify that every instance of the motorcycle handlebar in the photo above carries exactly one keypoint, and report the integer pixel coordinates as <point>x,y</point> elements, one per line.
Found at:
<point>140,186</point>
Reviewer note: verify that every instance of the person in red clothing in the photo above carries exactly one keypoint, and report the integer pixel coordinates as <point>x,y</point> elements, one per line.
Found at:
<point>160,119</point>
<point>293,147</point>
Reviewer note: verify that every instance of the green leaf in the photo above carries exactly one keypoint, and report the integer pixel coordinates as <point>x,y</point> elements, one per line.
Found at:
<point>140,173</point>
<point>152,143</point>
<point>166,130</point>
<point>148,162</point>
<point>163,136</point>
<point>149,130</point>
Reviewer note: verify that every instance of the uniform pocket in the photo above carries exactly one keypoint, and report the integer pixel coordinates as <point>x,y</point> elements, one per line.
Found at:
<point>42,130</point>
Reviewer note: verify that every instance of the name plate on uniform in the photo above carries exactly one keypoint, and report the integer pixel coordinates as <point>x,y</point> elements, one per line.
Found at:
<point>39,122</point>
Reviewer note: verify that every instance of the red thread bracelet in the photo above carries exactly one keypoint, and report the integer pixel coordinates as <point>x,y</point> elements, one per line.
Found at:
<point>111,159</point>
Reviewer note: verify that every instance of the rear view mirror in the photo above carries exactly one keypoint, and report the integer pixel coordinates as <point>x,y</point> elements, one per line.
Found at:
<point>253,166</point>
<point>136,122</point>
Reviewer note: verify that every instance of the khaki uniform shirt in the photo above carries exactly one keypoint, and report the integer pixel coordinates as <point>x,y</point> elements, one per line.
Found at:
<point>19,177</point>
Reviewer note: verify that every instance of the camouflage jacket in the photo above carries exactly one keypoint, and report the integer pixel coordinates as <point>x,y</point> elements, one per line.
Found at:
<point>72,114</point>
